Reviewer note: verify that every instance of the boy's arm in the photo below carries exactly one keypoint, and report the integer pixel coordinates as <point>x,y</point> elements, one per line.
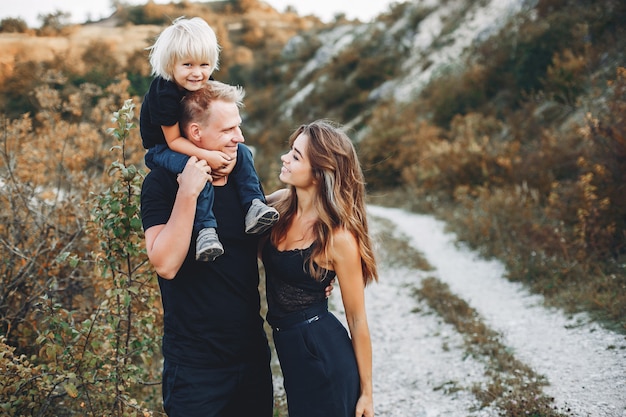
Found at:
<point>178,143</point>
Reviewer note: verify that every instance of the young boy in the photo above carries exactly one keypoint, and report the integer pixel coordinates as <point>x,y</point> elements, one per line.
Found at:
<point>183,59</point>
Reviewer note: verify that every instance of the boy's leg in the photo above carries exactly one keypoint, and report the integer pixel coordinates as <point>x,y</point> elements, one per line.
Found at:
<point>248,183</point>
<point>161,155</point>
<point>260,216</point>
<point>149,158</point>
<point>208,246</point>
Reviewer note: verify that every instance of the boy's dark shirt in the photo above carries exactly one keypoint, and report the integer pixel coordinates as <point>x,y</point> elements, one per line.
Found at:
<point>160,107</point>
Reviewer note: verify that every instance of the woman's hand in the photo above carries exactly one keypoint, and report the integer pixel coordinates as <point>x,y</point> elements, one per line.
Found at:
<point>364,407</point>
<point>328,290</point>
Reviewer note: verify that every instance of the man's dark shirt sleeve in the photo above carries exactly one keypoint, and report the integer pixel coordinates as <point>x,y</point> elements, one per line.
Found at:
<point>158,194</point>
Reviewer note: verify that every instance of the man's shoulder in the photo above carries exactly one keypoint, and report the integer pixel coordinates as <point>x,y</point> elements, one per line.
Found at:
<point>159,171</point>
<point>159,177</point>
<point>158,195</point>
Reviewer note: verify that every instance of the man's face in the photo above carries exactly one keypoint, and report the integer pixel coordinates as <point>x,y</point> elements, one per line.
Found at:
<point>221,131</point>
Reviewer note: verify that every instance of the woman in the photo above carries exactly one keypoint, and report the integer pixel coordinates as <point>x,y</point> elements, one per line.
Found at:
<point>321,234</point>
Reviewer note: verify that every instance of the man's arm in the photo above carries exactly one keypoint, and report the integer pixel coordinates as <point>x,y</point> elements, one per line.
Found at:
<point>167,244</point>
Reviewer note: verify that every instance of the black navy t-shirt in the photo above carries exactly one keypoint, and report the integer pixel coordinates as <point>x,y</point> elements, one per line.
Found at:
<point>211,309</point>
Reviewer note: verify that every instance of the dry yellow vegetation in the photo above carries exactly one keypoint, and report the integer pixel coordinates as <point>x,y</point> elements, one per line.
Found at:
<point>124,41</point>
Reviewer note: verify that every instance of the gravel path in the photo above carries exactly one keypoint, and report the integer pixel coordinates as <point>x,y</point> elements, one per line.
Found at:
<point>420,366</point>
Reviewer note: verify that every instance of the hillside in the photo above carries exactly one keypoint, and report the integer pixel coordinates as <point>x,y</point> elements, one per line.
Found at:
<point>489,96</point>
<point>506,118</point>
<point>124,42</point>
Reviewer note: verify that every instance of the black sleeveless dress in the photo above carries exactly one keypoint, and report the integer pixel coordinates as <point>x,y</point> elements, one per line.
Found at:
<point>319,368</point>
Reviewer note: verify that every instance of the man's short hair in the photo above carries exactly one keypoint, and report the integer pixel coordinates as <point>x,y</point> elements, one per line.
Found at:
<point>195,107</point>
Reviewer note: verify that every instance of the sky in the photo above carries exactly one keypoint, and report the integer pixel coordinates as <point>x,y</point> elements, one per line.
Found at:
<point>82,10</point>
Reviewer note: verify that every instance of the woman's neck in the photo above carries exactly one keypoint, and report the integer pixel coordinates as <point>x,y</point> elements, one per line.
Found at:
<point>305,209</point>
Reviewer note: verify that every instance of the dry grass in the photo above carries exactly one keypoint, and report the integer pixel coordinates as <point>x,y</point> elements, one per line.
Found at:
<point>124,41</point>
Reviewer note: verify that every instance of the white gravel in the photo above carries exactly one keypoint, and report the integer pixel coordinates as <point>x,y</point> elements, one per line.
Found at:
<point>420,366</point>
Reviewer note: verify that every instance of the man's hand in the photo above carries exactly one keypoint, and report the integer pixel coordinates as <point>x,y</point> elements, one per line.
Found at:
<point>194,177</point>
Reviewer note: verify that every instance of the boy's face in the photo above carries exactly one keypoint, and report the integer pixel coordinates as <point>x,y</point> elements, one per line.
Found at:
<point>221,131</point>
<point>191,75</point>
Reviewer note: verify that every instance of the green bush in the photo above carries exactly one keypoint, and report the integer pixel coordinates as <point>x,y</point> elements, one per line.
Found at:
<point>92,350</point>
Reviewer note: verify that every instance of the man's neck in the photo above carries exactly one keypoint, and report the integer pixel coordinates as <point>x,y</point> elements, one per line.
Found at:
<point>220,182</point>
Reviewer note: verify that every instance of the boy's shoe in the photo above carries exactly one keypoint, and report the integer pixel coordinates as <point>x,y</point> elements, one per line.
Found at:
<point>260,217</point>
<point>208,246</point>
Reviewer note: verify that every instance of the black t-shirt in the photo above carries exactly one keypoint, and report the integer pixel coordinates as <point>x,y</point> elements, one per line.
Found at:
<point>160,107</point>
<point>211,309</point>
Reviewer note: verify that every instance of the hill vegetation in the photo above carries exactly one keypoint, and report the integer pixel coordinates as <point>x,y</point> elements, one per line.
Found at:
<point>521,149</point>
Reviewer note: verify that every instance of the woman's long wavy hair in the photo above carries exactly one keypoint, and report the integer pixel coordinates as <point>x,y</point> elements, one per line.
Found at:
<point>340,198</point>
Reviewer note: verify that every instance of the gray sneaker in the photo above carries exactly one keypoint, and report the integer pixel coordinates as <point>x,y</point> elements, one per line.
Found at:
<point>208,246</point>
<point>260,217</point>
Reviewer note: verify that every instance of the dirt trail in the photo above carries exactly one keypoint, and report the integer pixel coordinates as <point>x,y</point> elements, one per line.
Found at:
<point>421,368</point>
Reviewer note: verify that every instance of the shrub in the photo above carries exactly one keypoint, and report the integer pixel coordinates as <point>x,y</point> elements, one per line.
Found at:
<point>97,356</point>
<point>457,94</point>
<point>392,153</point>
<point>13,25</point>
<point>565,77</point>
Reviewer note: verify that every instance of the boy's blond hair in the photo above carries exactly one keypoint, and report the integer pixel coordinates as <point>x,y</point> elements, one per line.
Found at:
<point>184,39</point>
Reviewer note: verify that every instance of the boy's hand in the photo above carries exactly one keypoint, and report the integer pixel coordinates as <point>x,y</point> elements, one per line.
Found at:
<point>217,160</point>
<point>220,175</point>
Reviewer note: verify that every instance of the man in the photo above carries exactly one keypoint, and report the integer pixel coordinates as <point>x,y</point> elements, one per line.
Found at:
<point>217,359</point>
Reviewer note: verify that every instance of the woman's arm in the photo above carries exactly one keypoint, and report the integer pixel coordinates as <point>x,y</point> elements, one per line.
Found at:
<point>275,196</point>
<point>167,244</point>
<point>347,264</point>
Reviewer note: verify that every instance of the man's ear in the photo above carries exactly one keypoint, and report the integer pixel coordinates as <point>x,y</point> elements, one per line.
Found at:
<point>193,132</point>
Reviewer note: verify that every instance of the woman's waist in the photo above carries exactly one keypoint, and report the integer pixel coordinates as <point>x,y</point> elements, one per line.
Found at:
<point>309,314</point>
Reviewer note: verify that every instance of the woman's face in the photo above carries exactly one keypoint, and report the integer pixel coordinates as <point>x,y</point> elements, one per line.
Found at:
<point>296,169</point>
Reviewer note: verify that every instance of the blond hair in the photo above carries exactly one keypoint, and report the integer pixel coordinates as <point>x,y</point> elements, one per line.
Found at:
<point>184,39</point>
